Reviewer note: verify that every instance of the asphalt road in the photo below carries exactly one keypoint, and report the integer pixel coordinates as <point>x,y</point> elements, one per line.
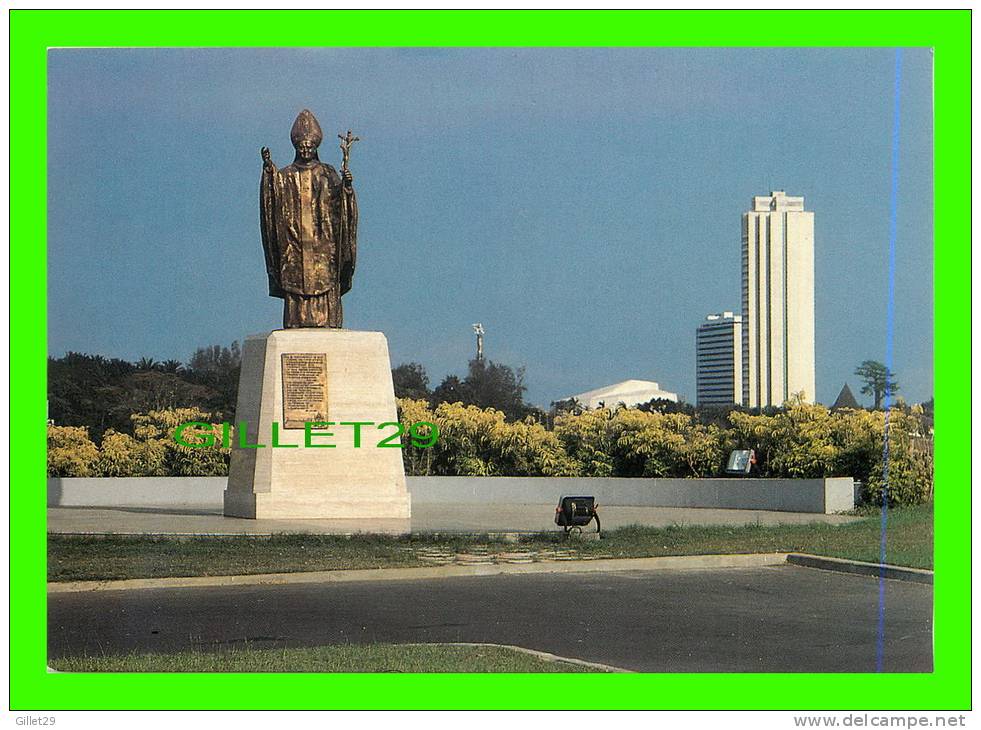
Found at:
<point>774,619</point>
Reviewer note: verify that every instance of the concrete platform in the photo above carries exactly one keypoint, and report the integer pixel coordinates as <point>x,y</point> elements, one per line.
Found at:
<point>452,518</point>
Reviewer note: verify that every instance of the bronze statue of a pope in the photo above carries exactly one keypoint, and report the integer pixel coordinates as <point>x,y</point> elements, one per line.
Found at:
<point>309,219</point>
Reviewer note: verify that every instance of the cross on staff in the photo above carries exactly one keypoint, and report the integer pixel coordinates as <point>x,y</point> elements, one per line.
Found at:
<point>346,143</point>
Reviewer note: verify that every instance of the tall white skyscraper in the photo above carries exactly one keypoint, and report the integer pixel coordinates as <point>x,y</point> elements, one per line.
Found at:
<point>719,356</point>
<point>778,300</point>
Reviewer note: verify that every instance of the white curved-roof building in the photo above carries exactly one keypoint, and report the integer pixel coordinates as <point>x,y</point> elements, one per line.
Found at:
<point>629,392</point>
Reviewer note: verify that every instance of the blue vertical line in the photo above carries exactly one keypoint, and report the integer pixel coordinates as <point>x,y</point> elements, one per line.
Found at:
<point>890,311</point>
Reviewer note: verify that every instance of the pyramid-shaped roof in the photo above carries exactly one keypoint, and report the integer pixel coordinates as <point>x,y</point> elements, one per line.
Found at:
<point>845,399</point>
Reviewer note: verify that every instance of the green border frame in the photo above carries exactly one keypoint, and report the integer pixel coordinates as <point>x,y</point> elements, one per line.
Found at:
<point>948,32</point>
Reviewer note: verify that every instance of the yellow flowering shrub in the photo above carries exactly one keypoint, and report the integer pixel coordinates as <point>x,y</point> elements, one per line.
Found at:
<point>71,452</point>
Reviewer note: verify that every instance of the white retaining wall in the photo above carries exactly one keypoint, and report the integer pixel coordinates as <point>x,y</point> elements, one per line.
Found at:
<point>782,495</point>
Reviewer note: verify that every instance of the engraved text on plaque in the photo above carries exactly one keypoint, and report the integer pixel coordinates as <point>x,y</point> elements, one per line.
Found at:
<point>304,388</point>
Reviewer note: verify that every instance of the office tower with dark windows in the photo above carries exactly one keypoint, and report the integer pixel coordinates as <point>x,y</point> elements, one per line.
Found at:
<point>719,367</point>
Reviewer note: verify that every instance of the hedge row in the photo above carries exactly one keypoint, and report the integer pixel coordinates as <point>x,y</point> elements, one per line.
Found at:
<point>802,441</point>
<point>150,452</point>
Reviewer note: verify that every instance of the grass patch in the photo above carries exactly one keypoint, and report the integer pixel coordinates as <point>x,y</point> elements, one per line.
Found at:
<point>909,543</point>
<point>114,557</point>
<point>338,658</point>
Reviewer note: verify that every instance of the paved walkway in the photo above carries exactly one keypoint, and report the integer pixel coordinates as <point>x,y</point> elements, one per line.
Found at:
<point>459,518</point>
<point>766,619</point>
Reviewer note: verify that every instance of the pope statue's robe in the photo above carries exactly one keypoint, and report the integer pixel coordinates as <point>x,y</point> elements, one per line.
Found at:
<point>309,222</point>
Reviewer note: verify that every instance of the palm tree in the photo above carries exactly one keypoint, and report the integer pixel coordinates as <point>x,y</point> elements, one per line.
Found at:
<point>569,405</point>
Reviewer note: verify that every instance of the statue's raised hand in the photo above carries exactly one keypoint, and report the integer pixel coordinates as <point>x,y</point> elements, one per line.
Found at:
<point>266,158</point>
<point>348,178</point>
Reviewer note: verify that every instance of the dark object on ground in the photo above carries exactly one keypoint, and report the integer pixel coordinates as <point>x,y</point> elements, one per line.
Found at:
<point>574,513</point>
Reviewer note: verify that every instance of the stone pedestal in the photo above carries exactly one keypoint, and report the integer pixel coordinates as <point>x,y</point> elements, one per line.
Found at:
<point>293,480</point>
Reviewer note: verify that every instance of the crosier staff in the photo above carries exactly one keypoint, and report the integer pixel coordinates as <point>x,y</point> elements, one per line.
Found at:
<point>346,143</point>
<point>348,179</point>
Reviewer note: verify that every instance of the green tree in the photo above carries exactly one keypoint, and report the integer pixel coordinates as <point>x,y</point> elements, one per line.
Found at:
<point>879,381</point>
<point>121,455</point>
<point>170,366</point>
<point>80,391</point>
<point>488,385</point>
<point>218,368</point>
<point>493,385</point>
<point>858,437</point>
<point>481,442</point>
<point>663,405</point>
<point>410,381</point>
<point>588,439</point>
<point>156,448</point>
<point>800,440</point>
<point>451,390</point>
<point>567,406</point>
<point>655,444</point>
<point>142,392</point>
<point>418,462</point>
<point>216,358</point>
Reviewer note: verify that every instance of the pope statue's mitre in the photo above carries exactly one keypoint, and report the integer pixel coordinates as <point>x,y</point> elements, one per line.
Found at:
<point>306,127</point>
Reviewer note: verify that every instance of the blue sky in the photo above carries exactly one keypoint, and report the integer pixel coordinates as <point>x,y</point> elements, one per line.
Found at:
<point>583,204</point>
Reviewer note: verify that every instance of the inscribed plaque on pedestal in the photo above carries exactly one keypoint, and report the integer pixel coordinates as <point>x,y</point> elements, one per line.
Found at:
<point>304,388</point>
